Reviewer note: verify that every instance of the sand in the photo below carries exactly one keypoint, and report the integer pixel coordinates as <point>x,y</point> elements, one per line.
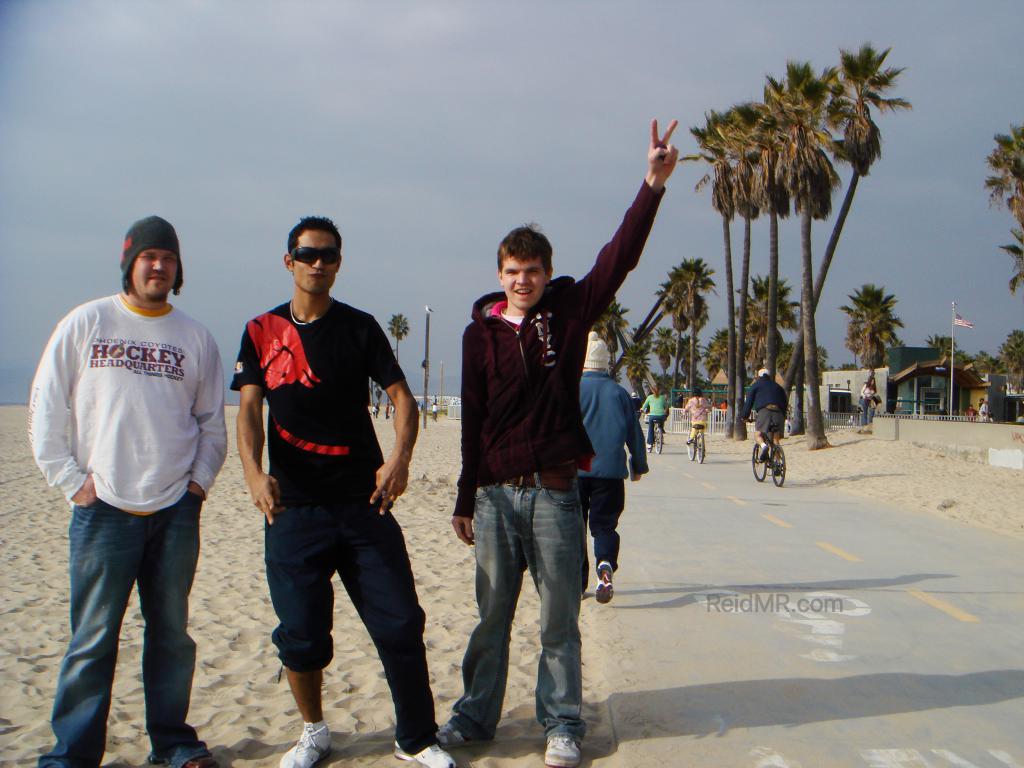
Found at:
<point>247,715</point>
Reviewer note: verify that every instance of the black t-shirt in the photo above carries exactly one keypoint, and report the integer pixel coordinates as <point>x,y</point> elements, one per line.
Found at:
<point>315,377</point>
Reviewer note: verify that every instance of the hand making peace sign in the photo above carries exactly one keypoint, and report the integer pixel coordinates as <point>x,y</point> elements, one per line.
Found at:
<point>661,156</point>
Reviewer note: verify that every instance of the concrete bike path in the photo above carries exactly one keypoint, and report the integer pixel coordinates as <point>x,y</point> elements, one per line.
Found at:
<point>767,627</point>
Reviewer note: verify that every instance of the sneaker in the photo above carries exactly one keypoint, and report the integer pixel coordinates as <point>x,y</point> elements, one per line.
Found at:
<point>563,751</point>
<point>449,736</point>
<point>764,454</point>
<point>650,447</point>
<point>604,582</point>
<point>313,746</point>
<point>432,757</point>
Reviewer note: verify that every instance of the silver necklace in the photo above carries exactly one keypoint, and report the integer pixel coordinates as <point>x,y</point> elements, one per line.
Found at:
<point>301,322</point>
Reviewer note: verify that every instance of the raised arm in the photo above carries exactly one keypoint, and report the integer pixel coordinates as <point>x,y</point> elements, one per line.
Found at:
<point>662,156</point>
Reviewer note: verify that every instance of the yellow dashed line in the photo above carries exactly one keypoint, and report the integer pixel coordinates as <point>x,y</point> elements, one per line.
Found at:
<point>942,605</point>
<point>709,486</point>
<point>774,519</point>
<point>838,552</point>
<point>734,500</point>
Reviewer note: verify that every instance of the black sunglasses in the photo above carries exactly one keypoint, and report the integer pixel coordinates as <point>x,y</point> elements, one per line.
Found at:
<point>309,255</point>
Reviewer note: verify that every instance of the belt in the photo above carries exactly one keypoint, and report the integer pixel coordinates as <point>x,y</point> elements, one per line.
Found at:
<point>560,478</point>
<point>770,407</point>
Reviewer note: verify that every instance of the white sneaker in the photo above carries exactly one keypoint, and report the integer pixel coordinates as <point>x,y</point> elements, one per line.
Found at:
<point>432,757</point>
<point>313,746</point>
<point>449,736</point>
<point>563,751</point>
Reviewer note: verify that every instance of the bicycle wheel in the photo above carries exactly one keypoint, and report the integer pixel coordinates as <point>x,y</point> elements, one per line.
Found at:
<point>691,449</point>
<point>700,447</point>
<point>760,468</point>
<point>779,466</point>
<point>659,438</point>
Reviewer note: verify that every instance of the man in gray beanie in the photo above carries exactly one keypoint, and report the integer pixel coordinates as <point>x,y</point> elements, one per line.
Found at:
<point>611,424</point>
<point>126,418</point>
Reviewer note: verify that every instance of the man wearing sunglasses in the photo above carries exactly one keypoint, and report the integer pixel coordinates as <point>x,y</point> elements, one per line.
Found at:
<point>328,495</point>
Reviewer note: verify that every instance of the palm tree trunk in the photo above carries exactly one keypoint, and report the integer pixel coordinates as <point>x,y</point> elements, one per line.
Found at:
<point>772,339</point>
<point>679,354</point>
<point>797,360</point>
<point>691,376</point>
<point>739,431</point>
<point>815,423</point>
<point>797,424</point>
<point>730,373</point>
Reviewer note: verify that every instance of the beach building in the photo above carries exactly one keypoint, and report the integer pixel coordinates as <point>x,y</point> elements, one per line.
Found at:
<point>917,381</point>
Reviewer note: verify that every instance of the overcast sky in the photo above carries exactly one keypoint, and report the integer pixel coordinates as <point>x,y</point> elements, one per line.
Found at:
<point>427,130</point>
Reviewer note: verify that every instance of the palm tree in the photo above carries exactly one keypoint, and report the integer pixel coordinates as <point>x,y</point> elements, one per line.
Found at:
<point>872,324</point>
<point>757,318</point>
<point>986,363</point>
<point>1012,354</point>
<point>939,342</point>
<point>740,131</point>
<point>664,348</point>
<point>688,284</point>
<point>716,352</point>
<point>862,83</point>
<point>1006,186</point>
<point>610,325</point>
<point>1017,254</point>
<point>723,199</point>
<point>799,105</point>
<point>638,368</point>
<point>398,327</point>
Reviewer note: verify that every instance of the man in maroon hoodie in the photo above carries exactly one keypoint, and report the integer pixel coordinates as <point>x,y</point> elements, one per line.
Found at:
<point>522,440</point>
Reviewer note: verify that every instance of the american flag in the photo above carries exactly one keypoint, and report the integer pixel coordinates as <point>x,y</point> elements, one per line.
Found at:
<point>957,320</point>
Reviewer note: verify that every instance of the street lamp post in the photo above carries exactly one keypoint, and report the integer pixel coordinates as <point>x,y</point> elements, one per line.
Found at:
<point>426,367</point>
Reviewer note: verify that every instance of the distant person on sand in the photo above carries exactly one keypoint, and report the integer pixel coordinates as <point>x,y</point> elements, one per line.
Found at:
<point>983,411</point>
<point>522,435</point>
<point>327,499</point>
<point>611,424</point>
<point>127,420</point>
<point>768,398</point>
<point>868,393</point>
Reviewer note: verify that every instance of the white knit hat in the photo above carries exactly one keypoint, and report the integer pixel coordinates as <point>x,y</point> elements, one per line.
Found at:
<point>597,354</point>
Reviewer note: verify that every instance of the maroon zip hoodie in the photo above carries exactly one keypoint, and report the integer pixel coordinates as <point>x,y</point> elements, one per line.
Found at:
<point>521,386</point>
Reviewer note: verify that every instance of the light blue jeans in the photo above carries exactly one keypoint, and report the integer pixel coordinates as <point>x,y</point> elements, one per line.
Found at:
<point>516,529</point>
<point>111,552</point>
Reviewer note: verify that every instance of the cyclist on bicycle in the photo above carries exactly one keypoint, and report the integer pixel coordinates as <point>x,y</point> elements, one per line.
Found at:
<point>769,400</point>
<point>656,408</point>
<point>698,407</point>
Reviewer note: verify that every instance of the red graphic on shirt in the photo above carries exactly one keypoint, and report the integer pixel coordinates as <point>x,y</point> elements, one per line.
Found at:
<point>309,445</point>
<point>281,353</point>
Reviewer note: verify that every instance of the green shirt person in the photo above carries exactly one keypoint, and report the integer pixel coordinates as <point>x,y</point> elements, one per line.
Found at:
<point>655,404</point>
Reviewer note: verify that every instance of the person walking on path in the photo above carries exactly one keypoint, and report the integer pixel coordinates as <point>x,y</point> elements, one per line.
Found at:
<point>656,408</point>
<point>126,418</point>
<point>522,436</point>
<point>697,407</point>
<point>329,492</point>
<point>611,424</point>
<point>768,398</point>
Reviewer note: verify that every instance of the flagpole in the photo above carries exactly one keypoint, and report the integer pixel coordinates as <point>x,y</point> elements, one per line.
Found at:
<point>952,354</point>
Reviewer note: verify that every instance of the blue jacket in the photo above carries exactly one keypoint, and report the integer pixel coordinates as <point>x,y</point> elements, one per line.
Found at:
<point>764,392</point>
<point>611,425</point>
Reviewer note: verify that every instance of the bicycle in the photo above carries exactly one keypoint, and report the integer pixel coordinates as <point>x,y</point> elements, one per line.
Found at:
<point>659,437</point>
<point>697,449</point>
<point>776,461</point>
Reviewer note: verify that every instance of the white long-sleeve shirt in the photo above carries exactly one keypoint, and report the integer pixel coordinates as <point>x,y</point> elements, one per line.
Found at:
<point>137,401</point>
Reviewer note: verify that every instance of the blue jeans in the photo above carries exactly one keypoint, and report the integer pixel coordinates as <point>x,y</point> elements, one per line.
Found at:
<point>111,552</point>
<point>516,529</point>
<point>651,421</point>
